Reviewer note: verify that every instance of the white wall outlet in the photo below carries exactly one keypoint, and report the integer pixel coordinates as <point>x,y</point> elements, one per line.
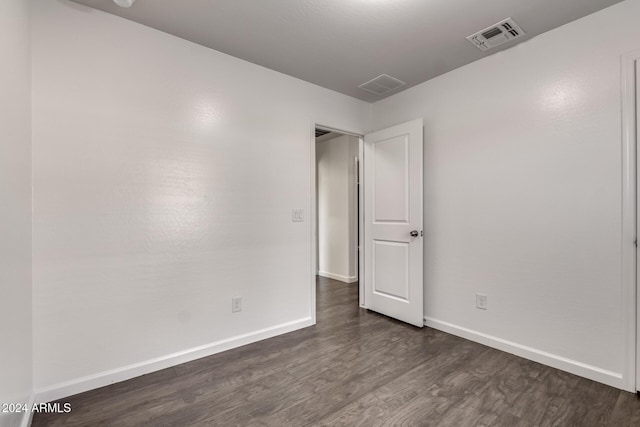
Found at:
<point>236,304</point>
<point>481,301</point>
<point>297,215</point>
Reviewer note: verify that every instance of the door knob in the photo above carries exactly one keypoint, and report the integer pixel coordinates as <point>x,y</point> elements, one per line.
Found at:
<point>414,233</point>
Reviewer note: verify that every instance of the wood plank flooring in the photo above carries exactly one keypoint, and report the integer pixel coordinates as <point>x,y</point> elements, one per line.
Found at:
<point>354,368</point>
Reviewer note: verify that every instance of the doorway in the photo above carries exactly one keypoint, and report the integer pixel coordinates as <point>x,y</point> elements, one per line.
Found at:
<point>379,245</point>
<point>337,207</point>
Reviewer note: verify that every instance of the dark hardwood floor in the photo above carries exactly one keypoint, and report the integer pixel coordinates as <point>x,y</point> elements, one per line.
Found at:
<point>354,368</point>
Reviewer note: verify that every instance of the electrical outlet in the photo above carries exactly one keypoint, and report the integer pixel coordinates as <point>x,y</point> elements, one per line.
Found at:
<point>481,301</point>
<point>297,215</point>
<point>236,304</point>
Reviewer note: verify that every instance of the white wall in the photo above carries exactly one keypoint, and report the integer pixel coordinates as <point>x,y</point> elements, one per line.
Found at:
<point>164,178</point>
<point>336,207</point>
<point>15,213</point>
<point>523,194</point>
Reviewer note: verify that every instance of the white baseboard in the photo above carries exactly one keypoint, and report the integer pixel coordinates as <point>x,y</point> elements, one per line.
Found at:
<point>80,385</point>
<point>594,373</point>
<point>346,279</point>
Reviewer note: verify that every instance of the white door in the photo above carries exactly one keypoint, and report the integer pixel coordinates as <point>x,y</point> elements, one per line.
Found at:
<point>393,222</point>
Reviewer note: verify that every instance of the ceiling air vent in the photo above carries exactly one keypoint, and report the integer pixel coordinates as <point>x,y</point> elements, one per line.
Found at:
<point>321,132</point>
<point>496,35</point>
<point>382,84</point>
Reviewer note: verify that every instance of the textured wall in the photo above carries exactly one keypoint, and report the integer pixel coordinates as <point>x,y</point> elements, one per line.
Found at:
<point>337,207</point>
<point>523,192</point>
<point>165,175</point>
<point>15,213</point>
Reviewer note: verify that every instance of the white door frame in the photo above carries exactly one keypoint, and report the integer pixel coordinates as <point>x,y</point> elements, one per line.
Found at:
<point>630,296</point>
<point>313,214</point>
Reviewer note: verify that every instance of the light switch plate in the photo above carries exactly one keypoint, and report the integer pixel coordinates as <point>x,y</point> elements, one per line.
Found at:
<point>481,301</point>
<point>236,304</point>
<point>297,215</point>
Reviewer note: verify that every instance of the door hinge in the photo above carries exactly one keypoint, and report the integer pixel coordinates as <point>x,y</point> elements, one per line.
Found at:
<point>635,243</point>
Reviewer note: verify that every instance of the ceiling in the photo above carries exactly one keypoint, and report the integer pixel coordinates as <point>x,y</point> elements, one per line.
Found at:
<point>340,44</point>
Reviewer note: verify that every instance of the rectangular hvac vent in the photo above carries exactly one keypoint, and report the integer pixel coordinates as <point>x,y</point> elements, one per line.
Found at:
<point>496,35</point>
<point>320,132</point>
<point>382,84</point>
